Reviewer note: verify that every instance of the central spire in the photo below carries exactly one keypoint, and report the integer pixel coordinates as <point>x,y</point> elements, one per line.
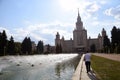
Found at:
<point>78,18</point>
<point>78,12</point>
<point>79,23</point>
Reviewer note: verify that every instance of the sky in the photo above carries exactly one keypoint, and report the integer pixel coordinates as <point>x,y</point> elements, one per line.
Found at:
<point>42,19</point>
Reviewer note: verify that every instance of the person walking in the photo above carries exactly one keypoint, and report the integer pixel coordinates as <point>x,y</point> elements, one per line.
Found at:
<point>87,59</point>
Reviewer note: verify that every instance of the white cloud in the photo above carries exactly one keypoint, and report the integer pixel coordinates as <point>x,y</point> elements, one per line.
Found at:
<point>37,37</point>
<point>73,5</point>
<point>93,7</point>
<point>41,31</point>
<point>2,28</point>
<point>68,5</point>
<point>95,23</point>
<point>114,11</point>
<point>103,1</point>
<point>86,7</point>
<point>95,18</point>
<point>64,29</point>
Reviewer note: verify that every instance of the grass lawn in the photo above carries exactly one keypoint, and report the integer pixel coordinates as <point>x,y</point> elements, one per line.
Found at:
<point>105,69</point>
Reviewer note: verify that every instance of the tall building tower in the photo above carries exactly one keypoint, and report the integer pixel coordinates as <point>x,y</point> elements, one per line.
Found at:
<point>103,35</point>
<point>80,35</point>
<point>79,23</point>
<point>103,32</point>
<point>57,39</point>
<point>100,45</point>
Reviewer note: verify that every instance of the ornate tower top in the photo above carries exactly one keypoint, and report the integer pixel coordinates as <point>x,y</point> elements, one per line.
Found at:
<point>79,23</point>
<point>103,32</point>
<point>57,35</point>
<point>99,35</point>
<point>78,18</point>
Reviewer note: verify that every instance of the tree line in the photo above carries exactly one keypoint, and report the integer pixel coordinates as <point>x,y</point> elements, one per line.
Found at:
<point>115,44</point>
<point>112,46</point>
<point>9,47</point>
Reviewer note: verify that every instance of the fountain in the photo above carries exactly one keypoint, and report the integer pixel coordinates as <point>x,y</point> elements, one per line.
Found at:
<point>38,67</point>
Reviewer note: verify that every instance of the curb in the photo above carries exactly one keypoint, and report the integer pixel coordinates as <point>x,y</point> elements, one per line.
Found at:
<point>78,71</point>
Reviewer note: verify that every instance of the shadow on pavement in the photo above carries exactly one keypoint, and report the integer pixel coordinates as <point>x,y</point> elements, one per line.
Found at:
<point>92,75</point>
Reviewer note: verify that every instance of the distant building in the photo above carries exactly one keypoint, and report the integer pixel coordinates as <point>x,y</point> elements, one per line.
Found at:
<point>33,46</point>
<point>80,41</point>
<point>49,48</point>
<point>45,48</point>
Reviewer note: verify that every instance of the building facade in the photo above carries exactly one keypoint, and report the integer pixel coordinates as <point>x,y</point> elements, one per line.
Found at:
<point>80,43</point>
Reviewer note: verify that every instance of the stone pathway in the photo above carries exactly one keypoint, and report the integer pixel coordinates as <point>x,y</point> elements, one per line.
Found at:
<point>87,76</point>
<point>91,76</point>
<point>115,57</point>
<point>81,74</point>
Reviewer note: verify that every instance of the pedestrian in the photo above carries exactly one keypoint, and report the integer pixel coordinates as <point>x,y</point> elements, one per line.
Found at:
<point>87,59</point>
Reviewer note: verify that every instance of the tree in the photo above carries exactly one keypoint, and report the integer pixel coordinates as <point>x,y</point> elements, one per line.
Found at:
<point>26,46</point>
<point>115,38</point>
<point>29,46</point>
<point>118,48</point>
<point>106,44</point>
<point>11,46</point>
<point>118,35</point>
<point>93,48</point>
<point>48,48</point>
<point>40,47</point>
<point>58,48</point>
<point>17,48</point>
<point>3,42</point>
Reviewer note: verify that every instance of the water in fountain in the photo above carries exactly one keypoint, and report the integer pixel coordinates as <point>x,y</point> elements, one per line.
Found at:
<point>38,67</point>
